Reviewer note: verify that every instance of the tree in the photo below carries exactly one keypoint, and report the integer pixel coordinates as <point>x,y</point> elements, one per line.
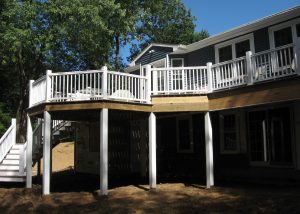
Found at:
<point>165,21</point>
<point>58,35</point>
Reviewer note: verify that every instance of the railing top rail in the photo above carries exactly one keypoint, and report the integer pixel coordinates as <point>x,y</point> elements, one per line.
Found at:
<point>229,61</point>
<point>179,68</point>
<point>274,49</point>
<point>6,133</point>
<point>43,78</point>
<point>75,72</point>
<point>125,74</point>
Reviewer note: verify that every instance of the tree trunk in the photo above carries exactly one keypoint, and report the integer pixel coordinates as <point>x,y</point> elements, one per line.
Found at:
<point>117,60</point>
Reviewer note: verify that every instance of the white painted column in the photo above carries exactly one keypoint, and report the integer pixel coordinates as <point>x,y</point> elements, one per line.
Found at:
<point>46,153</point>
<point>152,150</point>
<point>209,77</point>
<point>29,154</point>
<point>209,151</point>
<point>104,151</point>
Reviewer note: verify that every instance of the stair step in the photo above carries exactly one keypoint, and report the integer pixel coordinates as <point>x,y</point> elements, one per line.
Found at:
<point>10,162</point>
<point>11,173</point>
<point>9,167</point>
<point>14,151</point>
<point>17,146</point>
<point>12,179</point>
<point>12,157</point>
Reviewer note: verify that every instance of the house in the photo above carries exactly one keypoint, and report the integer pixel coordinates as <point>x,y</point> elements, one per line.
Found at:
<point>226,106</point>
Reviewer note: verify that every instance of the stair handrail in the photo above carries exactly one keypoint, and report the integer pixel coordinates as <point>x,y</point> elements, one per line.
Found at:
<point>8,140</point>
<point>58,124</point>
<point>22,162</point>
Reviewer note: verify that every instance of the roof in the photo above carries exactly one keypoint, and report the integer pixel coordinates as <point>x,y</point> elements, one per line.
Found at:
<point>242,30</point>
<point>174,46</point>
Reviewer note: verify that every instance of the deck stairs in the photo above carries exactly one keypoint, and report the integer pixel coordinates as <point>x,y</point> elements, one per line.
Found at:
<point>13,155</point>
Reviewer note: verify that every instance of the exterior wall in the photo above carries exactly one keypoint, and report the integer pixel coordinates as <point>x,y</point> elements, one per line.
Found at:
<point>207,54</point>
<point>159,53</point>
<point>297,133</point>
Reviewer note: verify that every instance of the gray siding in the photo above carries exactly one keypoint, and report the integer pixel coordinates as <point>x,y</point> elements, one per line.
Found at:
<point>202,56</point>
<point>159,53</point>
<point>261,40</point>
<point>199,57</point>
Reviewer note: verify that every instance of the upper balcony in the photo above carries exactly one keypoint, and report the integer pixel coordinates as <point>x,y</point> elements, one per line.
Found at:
<point>101,84</point>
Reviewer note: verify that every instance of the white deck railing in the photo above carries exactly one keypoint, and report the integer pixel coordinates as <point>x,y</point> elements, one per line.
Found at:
<point>8,140</point>
<point>102,84</point>
<point>181,80</point>
<point>38,91</point>
<point>129,87</point>
<point>229,74</point>
<point>272,64</point>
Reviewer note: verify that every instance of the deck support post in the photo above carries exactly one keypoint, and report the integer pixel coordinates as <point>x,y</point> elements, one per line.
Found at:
<point>29,154</point>
<point>29,143</point>
<point>209,151</point>
<point>47,153</point>
<point>104,151</point>
<point>152,151</point>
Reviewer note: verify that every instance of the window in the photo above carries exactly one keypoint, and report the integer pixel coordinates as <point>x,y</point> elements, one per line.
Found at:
<point>298,30</point>
<point>177,62</point>
<point>184,129</point>
<point>269,136</point>
<point>283,37</point>
<point>229,133</point>
<point>234,48</point>
<point>241,48</point>
<point>225,54</point>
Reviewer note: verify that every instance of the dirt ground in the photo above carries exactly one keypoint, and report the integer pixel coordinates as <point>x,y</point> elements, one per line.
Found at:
<point>73,193</point>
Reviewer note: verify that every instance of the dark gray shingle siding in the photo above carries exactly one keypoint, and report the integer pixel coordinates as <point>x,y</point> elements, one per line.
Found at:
<point>159,53</point>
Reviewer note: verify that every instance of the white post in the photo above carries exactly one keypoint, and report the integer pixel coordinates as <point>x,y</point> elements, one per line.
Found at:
<point>48,85</point>
<point>29,154</point>
<point>148,84</point>
<point>297,56</point>
<point>46,153</point>
<point>209,151</point>
<point>104,82</point>
<point>209,77</point>
<point>103,151</point>
<point>152,150</point>
<point>249,67</point>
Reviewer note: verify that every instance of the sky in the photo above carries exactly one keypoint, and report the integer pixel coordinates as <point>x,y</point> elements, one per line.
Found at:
<point>217,16</point>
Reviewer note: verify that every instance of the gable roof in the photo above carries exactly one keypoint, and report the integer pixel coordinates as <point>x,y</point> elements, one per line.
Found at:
<point>175,47</point>
<point>242,30</point>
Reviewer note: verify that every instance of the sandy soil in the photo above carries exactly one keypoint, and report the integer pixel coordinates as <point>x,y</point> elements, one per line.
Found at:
<point>77,193</point>
<point>63,158</point>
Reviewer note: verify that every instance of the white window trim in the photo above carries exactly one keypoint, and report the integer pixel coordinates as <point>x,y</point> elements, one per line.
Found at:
<point>182,60</point>
<point>291,24</point>
<point>190,118</point>
<point>237,127</point>
<point>232,42</point>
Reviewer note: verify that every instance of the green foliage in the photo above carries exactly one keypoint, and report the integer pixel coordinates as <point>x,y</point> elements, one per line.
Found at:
<point>4,120</point>
<point>165,21</point>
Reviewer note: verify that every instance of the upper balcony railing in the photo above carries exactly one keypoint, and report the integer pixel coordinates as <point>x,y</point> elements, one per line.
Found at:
<point>102,84</point>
